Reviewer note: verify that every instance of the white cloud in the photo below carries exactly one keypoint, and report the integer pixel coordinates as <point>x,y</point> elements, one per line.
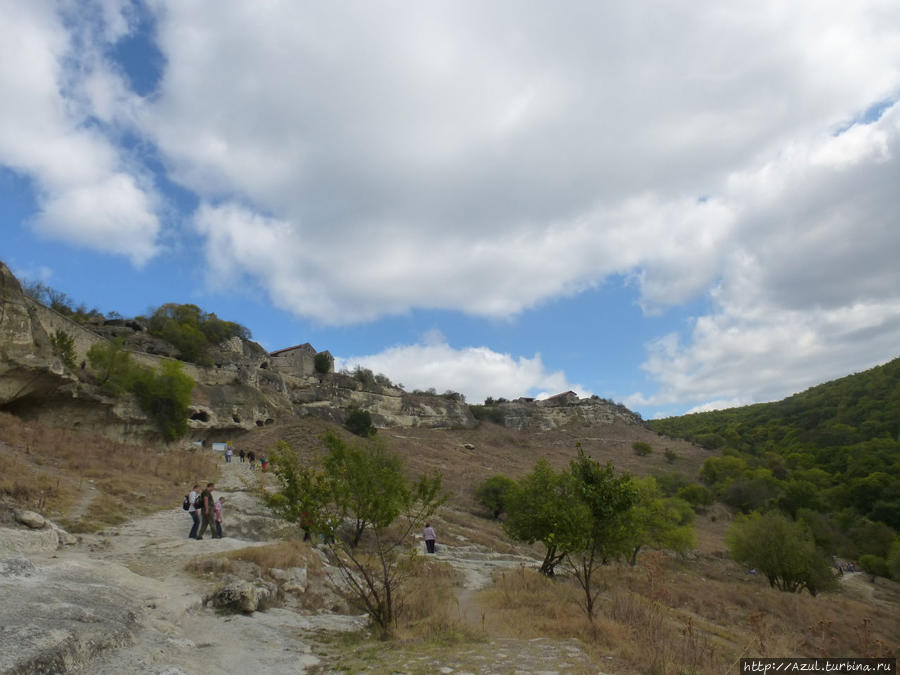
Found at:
<point>88,193</point>
<point>476,372</point>
<point>429,159</point>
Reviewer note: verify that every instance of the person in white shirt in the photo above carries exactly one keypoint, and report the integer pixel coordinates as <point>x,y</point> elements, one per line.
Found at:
<point>192,499</point>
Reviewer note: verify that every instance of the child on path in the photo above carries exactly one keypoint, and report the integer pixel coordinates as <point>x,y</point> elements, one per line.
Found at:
<point>219,505</point>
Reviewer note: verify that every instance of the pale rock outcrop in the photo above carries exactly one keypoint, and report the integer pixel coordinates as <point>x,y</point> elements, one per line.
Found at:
<point>239,595</point>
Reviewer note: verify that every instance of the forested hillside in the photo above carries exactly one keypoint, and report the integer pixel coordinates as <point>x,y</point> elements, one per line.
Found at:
<point>829,456</point>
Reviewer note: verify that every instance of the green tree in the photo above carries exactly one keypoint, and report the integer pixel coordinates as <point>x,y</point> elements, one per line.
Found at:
<point>64,346</point>
<point>781,549</point>
<point>600,527</point>
<point>544,506</point>
<point>113,365</point>
<point>192,331</point>
<point>376,568</point>
<point>165,396</point>
<point>366,482</point>
<point>492,494</point>
<point>658,521</point>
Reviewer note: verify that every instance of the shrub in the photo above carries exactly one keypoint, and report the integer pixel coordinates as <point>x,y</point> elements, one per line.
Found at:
<point>492,493</point>
<point>697,496</point>
<point>781,549</point>
<point>488,412</point>
<point>359,422</point>
<point>164,396</point>
<point>64,346</point>
<point>670,455</point>
<point>874,566</point>
<point>192,331</point>
<point>641,449</point>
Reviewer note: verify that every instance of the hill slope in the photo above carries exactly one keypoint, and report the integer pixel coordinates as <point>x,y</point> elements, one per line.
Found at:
<point>832,449</point>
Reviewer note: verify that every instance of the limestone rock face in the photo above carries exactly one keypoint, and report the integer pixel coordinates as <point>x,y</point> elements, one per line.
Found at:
<point>245,388</point>
<point>78,613</point>
<point>564,409</point>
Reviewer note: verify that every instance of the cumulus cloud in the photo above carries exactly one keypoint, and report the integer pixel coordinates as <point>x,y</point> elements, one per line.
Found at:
<point>89,194</point>
<point>476,372</point>
<point>811,289</point>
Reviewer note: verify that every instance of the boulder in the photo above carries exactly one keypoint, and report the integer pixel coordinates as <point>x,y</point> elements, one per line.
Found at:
<point>31,519</point>
<point>243,596</point>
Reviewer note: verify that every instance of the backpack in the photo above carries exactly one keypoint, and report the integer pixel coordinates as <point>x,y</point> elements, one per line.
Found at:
<point>186,504</point>
<point>198,503</point>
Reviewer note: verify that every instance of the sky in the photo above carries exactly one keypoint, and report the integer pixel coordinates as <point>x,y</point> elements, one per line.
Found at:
<point>676,205</point>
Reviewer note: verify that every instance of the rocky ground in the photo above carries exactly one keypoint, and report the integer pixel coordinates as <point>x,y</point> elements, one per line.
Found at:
<point>122,601</point>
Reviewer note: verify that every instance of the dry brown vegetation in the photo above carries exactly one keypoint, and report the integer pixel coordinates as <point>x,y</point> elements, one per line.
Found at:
<point>89,481</point>
<point>666,615</point>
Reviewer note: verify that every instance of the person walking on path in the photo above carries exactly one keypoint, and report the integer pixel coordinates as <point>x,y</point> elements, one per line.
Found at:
<point>429,537</point>
<point>242,454</point>
<point>207,511</point>
<point>192,509</point>
<point>218,507</point>
<point>228,453</point>
<point>251,457</point>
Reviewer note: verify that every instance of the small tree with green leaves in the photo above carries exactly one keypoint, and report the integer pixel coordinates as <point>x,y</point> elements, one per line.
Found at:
<point>781,549</point>
<point>492,494</point>
<point>543,506</point>
<point>165,396</point>
<point>64,346</point>
<point>376,563</point>
<point>601,529</point>
<point>113,365</point>
<point>658,521</point>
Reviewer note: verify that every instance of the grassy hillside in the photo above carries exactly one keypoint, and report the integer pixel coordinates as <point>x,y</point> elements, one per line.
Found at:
<point>829,455</point>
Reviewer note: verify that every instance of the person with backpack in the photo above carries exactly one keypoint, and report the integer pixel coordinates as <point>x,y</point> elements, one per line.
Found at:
<point>206,506</point>
<point>191,500</point>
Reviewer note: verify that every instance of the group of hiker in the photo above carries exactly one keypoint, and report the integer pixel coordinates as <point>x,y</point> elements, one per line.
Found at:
<point>205,512</point>
<point>248,456</point>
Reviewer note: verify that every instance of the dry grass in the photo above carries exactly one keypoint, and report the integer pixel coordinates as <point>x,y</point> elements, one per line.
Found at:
<point>671,616</point>
<point>279,555</point>
<point>89,481</point>
<point>428,608</point>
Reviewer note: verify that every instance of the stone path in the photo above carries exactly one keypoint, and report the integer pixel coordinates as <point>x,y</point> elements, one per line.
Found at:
<point>147,602</point>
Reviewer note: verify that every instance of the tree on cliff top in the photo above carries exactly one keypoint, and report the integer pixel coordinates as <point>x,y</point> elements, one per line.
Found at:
<point>192,331</point>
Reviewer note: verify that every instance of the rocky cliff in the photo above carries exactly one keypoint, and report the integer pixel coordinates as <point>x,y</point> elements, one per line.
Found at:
<point>244,388</point>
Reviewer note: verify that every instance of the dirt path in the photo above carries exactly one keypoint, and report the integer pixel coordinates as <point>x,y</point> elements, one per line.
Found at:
<point>176,634</point>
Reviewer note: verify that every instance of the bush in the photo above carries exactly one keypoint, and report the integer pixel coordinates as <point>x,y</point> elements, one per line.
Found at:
<point>491,494</point>
<point>670,455</point>
<point>64,346</point>
<point>781,549</point>
<point>697,496</point>
<point>874,566</point>
<point>359,422</point>
<point>192,331</point>
<point>488,412</point>
<point>164,396</point>
<point>641,449</point>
